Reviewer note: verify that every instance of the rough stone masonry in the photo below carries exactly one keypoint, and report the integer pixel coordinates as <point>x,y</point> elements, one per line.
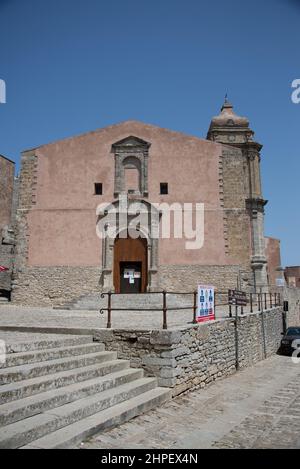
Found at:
<point>194,356</point>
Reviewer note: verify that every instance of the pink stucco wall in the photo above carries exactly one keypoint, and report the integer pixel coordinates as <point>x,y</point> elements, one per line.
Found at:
<point>62,223</point>
<point>273,259</point>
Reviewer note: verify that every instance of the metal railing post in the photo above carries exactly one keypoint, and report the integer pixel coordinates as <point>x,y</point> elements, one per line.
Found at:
<point>195,308</point>
<point>271,301</point>
<point>237,362</point>
<point>266,302</point>
<point>215,306</point>
<point>165,324</point>
<point>251,303</point>
<point>109,310</point>
<point>263,334</point>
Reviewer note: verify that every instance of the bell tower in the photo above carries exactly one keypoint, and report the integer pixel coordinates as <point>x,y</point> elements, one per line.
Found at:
<point>243,200</point>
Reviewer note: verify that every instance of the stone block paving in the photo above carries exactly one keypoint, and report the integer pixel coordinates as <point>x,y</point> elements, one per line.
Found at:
<point>276,424</point>
<point>18,316</point>
<point>13,316</point>
<point>256,408</point>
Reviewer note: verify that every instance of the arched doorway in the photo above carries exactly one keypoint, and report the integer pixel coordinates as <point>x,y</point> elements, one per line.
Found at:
<point>130,265</point>
<point>109,225</point>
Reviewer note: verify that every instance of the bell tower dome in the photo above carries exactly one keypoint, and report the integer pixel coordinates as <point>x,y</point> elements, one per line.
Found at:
<point>229,128</point>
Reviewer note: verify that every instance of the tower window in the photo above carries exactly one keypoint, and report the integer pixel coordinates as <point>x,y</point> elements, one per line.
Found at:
<point>164,189</point>
<point>98,188</point>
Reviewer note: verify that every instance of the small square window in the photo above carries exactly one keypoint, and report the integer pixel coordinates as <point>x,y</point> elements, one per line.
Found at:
<point>98,188</point>
<point>164,189</point>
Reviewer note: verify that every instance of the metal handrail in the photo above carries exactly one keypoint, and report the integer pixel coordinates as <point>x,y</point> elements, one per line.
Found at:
<point>259,299</point>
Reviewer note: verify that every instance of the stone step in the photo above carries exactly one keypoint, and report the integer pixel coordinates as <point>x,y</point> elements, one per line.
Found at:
<point>22,389</point>
<point>34,356</point>
<point>21,433</point>
<point>74,433</point>
<point>4,300</point>
<point>23,408</point>
<point>95,302</point>
<point>23,372</point>
<point>67,341</point>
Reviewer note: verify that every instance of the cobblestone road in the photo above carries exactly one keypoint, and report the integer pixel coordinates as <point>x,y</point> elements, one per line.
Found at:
<point>256,408</point>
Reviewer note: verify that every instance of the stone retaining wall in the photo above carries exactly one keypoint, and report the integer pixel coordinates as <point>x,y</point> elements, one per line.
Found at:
<point>195,356</point>
<point>293,297</point>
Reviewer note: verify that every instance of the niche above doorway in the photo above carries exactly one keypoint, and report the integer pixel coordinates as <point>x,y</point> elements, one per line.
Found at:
<point>131,166</point>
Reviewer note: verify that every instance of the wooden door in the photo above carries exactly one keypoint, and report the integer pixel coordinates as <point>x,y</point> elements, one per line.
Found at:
<point>133,252</point>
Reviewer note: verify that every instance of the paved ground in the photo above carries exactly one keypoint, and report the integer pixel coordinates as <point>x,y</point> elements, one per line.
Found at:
<point>11,315</point>
<point>14,339</point>
<point>256,408</point>
<point>45,317</point>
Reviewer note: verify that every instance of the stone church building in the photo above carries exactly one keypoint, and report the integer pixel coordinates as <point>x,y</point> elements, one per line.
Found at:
<point>68,188</point>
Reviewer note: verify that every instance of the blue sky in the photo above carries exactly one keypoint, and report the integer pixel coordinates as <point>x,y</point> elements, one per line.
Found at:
<point>76,65</point>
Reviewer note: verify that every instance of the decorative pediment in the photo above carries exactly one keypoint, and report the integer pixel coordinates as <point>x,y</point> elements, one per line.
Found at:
<point>131,142</point>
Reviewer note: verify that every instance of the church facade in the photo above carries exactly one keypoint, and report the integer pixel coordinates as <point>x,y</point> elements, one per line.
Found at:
<point>135,208</point>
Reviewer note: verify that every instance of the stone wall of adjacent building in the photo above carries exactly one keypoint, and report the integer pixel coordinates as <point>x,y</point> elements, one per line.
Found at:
<point>274,261</point>
<point>193,357</point>
<point>6,259</point>
<point>292,275</point>
<point>7,171</point>
<point>26,200</point>
<point>292,295</point>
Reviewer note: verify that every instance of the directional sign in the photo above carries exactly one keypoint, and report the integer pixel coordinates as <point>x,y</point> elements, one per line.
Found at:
<point>237,298</point>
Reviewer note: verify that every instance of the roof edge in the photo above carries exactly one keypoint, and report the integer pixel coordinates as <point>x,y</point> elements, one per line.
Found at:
<point>8,159</point>
<point>100,129</point>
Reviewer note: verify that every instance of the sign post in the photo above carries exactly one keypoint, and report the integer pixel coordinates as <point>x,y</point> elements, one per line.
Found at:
<point>236,298</point>
<point>206,303</point>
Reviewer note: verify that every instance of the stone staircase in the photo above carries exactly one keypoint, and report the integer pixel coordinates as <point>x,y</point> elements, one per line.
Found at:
<point>55,393</point>
<point>94,302</point>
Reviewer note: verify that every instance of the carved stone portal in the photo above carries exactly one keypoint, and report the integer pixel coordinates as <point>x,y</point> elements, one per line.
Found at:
<point>125,217</point>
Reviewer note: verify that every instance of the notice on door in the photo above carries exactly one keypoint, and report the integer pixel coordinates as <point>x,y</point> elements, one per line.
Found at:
<point>206,303</point>
<point>129,273</point>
